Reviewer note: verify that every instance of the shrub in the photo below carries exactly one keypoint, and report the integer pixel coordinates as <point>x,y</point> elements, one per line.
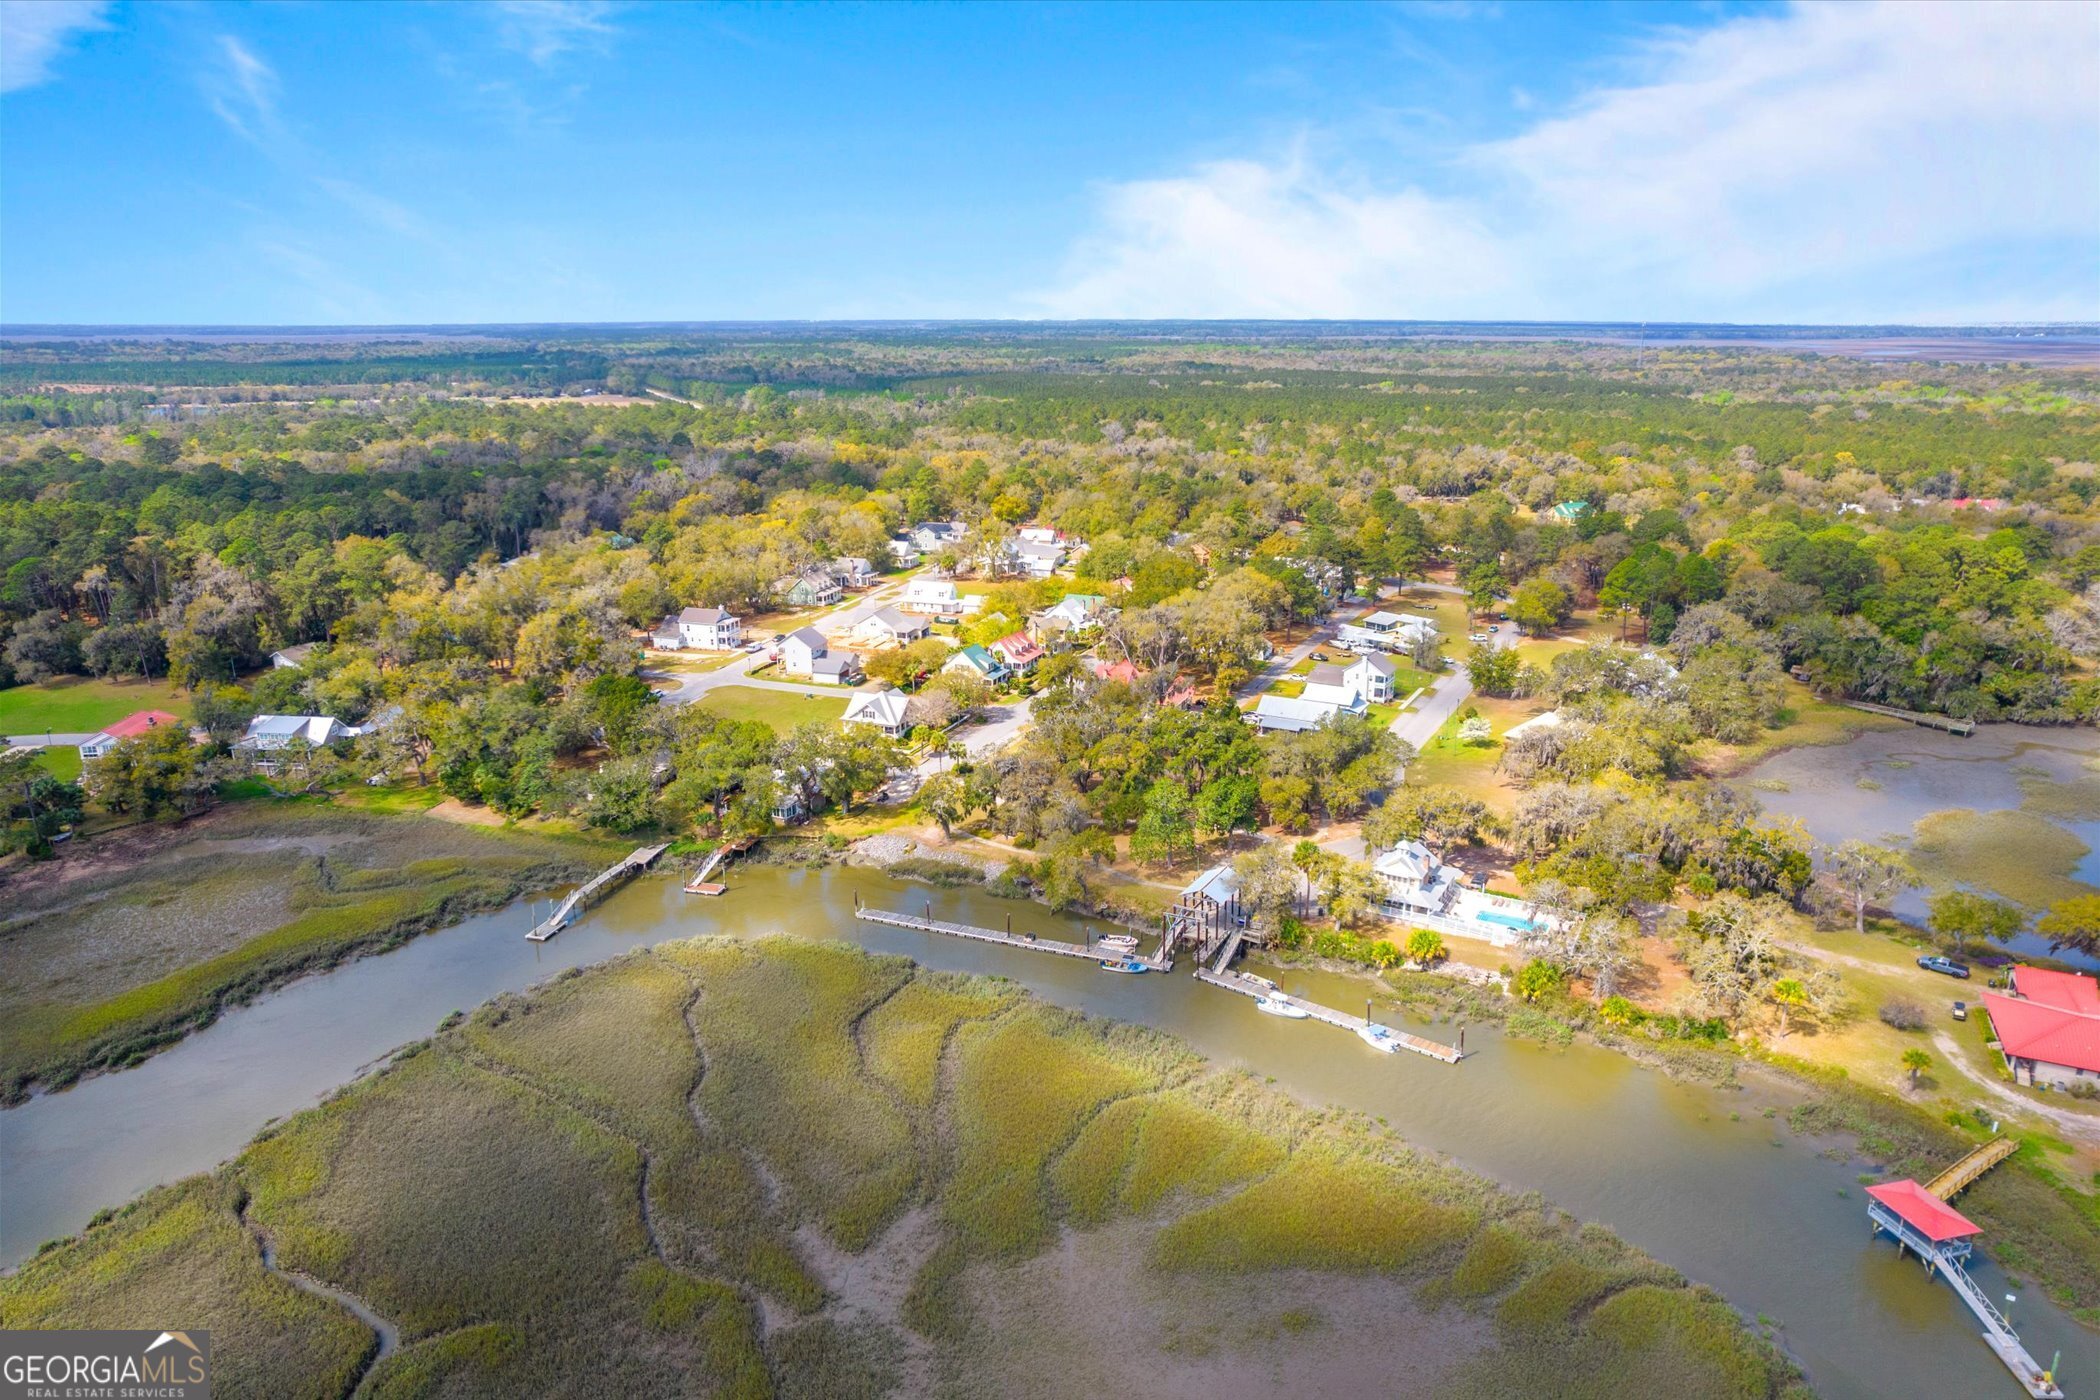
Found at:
<point>1539,980</point>
<point>1903,1015</point>
<point>1618,1011</point>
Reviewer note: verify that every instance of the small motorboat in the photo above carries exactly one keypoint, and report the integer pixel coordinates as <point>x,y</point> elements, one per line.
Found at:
<point>1260,982</point>
<point>1277,1006</point>
<point>1123,965</point>
<point>1378,1037</point>
<point>1117,943</point>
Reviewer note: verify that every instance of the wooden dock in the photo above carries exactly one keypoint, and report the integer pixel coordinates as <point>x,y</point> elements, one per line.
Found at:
<point>1964,1173</point>
<point>639,859</point>
<point>1158,962</point>
<point>1962,727</point>
<point>1248,986</point>
<point>700,884</point>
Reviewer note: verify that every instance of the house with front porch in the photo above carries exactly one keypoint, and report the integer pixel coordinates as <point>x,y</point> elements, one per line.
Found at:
<point>882,709</point>
<point>978,661</point>
<point>891,627</point>
<point>1372,676</point>
<point>812,588</point>
<point>699,629</point>
<point>1412,880</point>
<point>1018,652</point>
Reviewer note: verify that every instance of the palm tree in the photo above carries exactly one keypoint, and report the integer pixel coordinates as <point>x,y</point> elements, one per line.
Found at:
<point>1917,1062</point>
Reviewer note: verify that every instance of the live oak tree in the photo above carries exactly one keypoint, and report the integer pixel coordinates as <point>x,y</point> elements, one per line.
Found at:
<point>1867,873</point>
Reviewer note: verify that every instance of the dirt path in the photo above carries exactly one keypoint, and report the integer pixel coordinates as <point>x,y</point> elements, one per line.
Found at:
<point>2080,1127</point>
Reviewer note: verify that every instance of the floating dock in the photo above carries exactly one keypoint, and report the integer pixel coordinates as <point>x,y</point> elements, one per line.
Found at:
<point>1248,986</point>
<point>700,884</point>
<point>1158,962</point>
<point>1921,1222</point>
<point>604,880</point>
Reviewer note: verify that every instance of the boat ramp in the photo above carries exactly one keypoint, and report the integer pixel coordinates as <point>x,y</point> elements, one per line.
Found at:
<point>583,894</point>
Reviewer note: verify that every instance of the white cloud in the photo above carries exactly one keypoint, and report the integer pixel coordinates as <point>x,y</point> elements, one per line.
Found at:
<point>33,33</point>
<point>1833,161</point>
<point>544,30</point>
<point>242,89</point>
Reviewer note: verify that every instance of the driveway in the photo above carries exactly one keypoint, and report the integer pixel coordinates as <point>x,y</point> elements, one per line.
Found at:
<point>47,741</point>
<point>1002,726</point>
<point>1418,726</point>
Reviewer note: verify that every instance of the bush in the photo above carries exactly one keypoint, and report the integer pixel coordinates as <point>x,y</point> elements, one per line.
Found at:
<point>1903,1015</point>
<point>1618,1011</point>
<point>1539,980</point>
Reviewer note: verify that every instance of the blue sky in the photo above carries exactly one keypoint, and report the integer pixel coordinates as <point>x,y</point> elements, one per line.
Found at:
<point>400,163</point>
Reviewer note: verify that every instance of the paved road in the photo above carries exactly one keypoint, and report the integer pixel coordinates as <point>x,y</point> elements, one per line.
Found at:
<point>1419,725</point>
<point>51,741</point>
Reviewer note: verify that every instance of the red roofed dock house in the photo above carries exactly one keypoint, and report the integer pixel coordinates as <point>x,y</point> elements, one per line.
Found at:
<point>1925,1225</point>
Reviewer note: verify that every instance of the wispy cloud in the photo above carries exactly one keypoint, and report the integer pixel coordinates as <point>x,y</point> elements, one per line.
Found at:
<point>243,90</point>
<point>1830,160</point>
<point>33,33</point>
<point>544,30</point>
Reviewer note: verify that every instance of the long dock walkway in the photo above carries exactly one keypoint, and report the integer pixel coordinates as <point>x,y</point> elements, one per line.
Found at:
<point>639,859</point>
<point>1158,962</point>
<point>1251,987</point>
<point>1962,727</point>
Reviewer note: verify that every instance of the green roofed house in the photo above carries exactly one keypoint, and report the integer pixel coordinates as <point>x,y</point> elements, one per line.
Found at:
<point>979,660</point>
<point>1568,512</point>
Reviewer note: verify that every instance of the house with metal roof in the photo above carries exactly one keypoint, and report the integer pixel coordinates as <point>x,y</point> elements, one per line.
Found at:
<point>130,727</point>
<point>884,709</point>
<point>2048,1026</point>
<point>979,661</point>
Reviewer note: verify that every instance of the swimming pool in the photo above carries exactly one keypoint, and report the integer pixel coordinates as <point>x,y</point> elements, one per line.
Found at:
<point>1490,916</point>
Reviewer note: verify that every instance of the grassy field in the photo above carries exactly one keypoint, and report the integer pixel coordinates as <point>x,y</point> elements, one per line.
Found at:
<point>77,705</point>
<point>61,761</point>
<point>129,954</point>
<point>783,711</point>
<point>779,1168</point>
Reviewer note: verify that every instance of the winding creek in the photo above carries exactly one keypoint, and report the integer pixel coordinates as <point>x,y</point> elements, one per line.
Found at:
<point>1692,1174</point>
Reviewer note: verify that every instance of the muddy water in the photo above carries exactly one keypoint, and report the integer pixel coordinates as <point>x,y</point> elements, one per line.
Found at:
<point>1733,1202</point>
<point>1909,773</point>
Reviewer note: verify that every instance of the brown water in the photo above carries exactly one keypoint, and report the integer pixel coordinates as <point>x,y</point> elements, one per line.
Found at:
<point>1912,772</point>
<point>1742,1205</point>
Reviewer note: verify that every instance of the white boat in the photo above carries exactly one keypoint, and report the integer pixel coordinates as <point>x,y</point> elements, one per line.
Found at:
<point>1123,965</point>
<point>1117,943</point>
<point>1277,1006</point>
<point>1378,1037</point>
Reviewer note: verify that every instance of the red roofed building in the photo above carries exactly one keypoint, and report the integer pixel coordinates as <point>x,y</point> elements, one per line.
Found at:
<point>1020,652</point>
<point>2048,1026</point>
<point>1924,1212</point>
<point>129,727</point>
<point>1124,671</point>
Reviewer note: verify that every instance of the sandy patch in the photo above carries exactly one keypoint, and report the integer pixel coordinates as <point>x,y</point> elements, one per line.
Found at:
<point>454,810</point>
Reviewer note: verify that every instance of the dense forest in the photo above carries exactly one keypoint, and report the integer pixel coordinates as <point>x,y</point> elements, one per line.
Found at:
<point>476,530</point>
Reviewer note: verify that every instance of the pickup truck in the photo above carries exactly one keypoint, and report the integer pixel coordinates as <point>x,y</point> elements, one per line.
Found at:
<point>1946,967</point>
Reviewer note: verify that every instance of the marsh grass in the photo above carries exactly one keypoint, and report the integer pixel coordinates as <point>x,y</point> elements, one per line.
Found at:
<point>556,1196</point>
<point>2012,853</point>
<point>216,922</point>
<point>180,1251</point>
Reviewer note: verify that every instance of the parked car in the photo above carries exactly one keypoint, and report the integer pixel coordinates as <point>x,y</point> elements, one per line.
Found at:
<point>1946,967</point>
<point>1961,1011</point>
<point>1477,636</point>
<point>754,646</point>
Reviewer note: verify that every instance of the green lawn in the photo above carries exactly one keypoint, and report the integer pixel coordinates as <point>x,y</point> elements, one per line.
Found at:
<point>80,706</point>
<point>61,762</point>
<point>775,707</point>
